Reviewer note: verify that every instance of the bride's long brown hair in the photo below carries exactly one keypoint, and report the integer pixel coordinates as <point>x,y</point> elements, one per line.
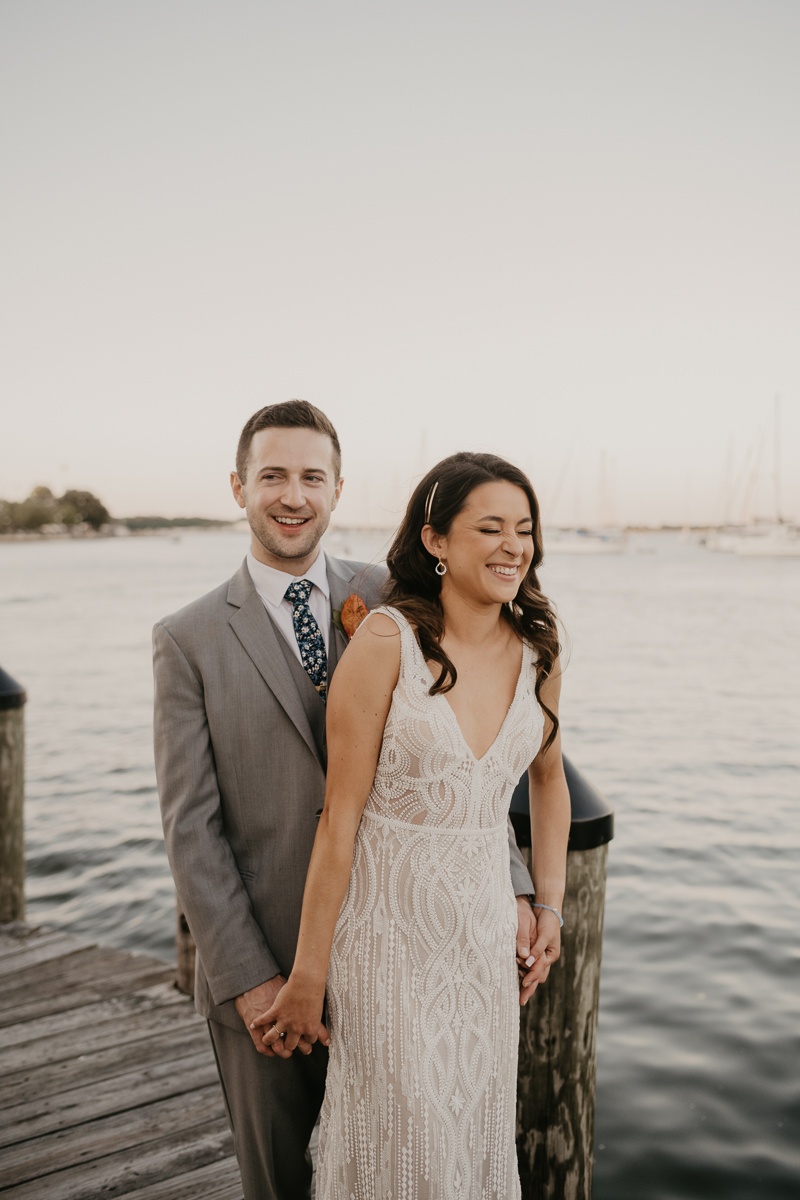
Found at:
<point>415,589</point>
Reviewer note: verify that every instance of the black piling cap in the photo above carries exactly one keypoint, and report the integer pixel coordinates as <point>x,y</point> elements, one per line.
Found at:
<point>592,815</point>
<point>12,694</point>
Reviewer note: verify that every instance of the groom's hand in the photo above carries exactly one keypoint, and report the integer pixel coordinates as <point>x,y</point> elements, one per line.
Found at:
<point>253,1003</point>
<point>526,939</point>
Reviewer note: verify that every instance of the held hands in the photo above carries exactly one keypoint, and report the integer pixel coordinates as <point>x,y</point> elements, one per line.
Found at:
<point>538,946</point>
<point>294,1008</point>
<point>252,1005</point>
<point>293,1020</point>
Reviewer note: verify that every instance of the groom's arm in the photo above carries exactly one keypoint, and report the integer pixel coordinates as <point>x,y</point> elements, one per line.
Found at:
<point>526,918</point>
<point>231,944</point>
<point>520,876</point>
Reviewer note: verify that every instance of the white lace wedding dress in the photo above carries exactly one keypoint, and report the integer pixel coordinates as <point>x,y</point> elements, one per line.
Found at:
<point>423,999</point>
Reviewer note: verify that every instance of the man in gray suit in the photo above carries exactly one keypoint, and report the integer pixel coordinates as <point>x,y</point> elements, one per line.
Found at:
<point>240,682</point>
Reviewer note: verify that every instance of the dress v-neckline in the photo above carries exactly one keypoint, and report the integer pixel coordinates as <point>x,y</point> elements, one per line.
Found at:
<point>443,696</point>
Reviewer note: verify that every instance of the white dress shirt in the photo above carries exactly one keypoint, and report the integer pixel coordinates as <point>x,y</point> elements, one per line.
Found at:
<point>271,586</point>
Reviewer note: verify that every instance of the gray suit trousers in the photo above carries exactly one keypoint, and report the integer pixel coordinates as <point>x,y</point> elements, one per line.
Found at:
<point>273,1105</point>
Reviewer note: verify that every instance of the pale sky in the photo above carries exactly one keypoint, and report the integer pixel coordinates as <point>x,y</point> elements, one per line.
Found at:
<point>564,232</point>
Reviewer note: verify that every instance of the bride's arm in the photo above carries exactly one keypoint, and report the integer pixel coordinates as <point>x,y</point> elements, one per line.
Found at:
<point>358,704</point>
<point>550,822</point>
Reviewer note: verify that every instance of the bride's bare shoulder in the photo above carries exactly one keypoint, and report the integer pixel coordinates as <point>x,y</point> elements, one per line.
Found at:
<point>375,645</point>
<point>370,666</point>
<point>378,624</point>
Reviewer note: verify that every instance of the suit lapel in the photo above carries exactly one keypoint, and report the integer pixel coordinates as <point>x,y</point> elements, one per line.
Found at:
<point>259,637</point>
<point>339,579</point>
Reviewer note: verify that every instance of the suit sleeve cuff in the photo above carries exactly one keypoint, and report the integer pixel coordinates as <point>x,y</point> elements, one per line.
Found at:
<point>521,880</point>
<point>230,984</point>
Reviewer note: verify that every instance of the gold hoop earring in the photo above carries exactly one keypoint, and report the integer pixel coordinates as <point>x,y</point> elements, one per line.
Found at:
<point>440,568</point>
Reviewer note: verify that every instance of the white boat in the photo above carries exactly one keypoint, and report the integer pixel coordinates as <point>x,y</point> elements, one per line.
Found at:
<point>758,541</point>
<point>585,541</point>
<point>781,541</point>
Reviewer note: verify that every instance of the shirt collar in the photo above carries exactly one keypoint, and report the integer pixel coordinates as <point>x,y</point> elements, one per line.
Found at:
<point>271,584</point>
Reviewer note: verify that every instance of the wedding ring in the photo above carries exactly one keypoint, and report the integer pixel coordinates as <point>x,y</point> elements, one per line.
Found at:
<point>280,1033</point>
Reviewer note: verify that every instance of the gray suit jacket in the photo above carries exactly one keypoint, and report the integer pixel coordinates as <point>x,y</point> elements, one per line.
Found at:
<point>240,760</point>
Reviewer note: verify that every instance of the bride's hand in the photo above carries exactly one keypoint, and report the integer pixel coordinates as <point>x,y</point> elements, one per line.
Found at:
<point>544,952</point>
<point>296,1012</point>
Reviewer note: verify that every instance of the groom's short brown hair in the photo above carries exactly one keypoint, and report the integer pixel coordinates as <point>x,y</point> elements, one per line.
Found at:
<point>292,414</point>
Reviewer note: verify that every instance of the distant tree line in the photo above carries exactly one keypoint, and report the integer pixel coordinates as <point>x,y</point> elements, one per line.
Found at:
<point>42,508</point>
<point>171,523</point>
<point>42,511</point>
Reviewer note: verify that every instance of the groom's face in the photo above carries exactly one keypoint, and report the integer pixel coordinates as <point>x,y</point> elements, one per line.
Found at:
<point>289,493</point>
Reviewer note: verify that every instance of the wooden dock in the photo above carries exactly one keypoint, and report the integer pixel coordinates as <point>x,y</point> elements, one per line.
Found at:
<point>108,1085</point>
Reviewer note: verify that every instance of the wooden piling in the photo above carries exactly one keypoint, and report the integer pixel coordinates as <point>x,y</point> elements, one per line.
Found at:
<point>558,1029</point>
<point>12,793</point>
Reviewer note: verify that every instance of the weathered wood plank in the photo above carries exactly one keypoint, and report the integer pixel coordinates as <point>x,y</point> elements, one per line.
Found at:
<point>52,946</point>
<point>77,980</point>
<point>136,1167</point>
<point>113,1009</point>
<point>50,968</point>
<point>107,1080</point>
<point>41,1156</point>
<point>158,1081</point>
<point>98,1065</point>
<point>18,935</point>
<point>218,1181</point>
<point>54,1001</point>
<point>89,964</point>
<point>15,932</point>
<point>131,1026</point>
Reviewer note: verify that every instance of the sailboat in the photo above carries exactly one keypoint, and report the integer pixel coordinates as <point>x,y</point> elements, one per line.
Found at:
<point>606,538</point>
<point>777,538</point>
<point>769,541</point>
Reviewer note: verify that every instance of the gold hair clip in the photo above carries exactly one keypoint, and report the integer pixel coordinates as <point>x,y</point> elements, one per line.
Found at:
<point>429,503</point>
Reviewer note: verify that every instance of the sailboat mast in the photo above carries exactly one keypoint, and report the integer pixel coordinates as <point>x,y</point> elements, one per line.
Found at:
<point>776,469</point>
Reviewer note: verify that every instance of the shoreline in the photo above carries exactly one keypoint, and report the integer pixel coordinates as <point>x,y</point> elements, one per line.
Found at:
<point>117,532</point>
<point>123,531</point>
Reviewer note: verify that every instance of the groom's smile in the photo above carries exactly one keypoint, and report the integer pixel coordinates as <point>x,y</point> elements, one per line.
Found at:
<point>290,527</point>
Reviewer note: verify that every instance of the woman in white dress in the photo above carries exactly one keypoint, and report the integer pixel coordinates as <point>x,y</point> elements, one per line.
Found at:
<point>441,701</point>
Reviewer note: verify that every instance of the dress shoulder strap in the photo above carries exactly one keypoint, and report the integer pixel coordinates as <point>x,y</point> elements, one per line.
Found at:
<point>398,618</point>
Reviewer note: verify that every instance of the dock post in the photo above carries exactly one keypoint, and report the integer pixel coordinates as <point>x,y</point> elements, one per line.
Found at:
<point>12,796</point>
<point>185,953</point>
<point>558,1029</point>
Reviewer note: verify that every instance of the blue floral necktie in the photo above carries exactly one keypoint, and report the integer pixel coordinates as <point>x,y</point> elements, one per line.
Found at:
<point>309,637</point>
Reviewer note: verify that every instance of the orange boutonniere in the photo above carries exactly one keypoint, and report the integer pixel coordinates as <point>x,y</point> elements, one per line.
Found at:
<point>350,615</point>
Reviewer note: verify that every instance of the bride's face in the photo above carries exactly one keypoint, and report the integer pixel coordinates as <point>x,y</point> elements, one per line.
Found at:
<point>489,546</point>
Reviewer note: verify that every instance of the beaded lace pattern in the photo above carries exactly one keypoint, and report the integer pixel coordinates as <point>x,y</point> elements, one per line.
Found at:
<point>423,998</point>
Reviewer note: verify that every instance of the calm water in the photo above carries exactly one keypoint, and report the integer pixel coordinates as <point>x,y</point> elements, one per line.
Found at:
<point>681,703</point>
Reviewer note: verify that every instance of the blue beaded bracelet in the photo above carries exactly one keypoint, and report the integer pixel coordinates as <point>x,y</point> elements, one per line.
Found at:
<point>535,904</point>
